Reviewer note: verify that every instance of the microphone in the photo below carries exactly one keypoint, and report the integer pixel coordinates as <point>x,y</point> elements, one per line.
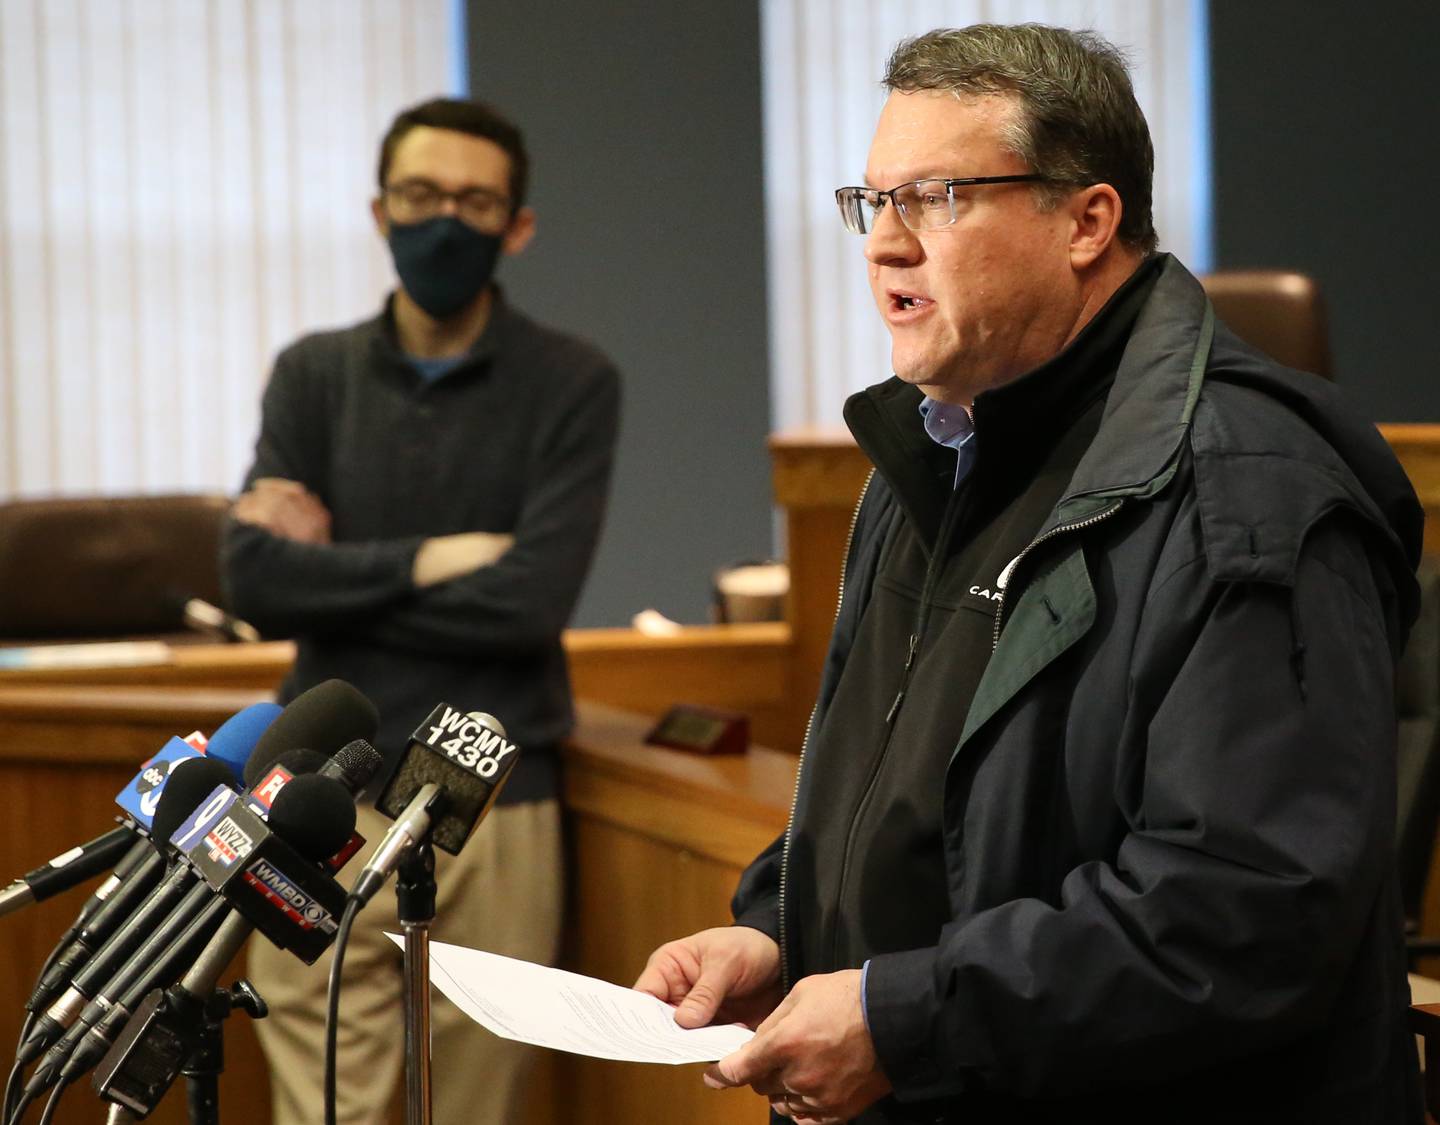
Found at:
<point>450,775</point>
<point>67,869</point>
<point>231,745</point>
<point>306,824</point>
<point>329,714</point>
<point>264,870</point>
<point>325,718</point>
<point>169,908</point>
<point>118,927</point>
<point>204,617</point>
<point>152,1047</point>
<point>231,749</point>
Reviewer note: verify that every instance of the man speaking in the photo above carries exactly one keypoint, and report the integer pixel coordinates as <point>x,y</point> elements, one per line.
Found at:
<point>1094,819</point>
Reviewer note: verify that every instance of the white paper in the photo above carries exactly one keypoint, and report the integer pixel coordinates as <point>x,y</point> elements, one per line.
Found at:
<point>569,1012</point>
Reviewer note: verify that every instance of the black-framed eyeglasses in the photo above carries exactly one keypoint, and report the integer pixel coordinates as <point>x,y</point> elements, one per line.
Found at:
<point>921,204</point>
<point>414,201</point>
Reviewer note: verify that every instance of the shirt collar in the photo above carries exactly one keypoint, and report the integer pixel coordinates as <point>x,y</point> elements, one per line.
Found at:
<point>950,426</point>
<point>947,425</point>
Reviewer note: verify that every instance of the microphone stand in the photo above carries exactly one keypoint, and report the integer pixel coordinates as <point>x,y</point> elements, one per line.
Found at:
<point>415,909</point>
<point>206,1061</point>
<point>179,1030</point>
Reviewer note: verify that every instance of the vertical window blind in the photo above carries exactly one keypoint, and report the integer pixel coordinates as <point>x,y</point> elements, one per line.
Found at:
<point>184,188</point>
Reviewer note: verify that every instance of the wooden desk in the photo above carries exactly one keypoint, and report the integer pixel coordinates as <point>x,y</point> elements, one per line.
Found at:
<point>735,667</point>
<point>656,840</point>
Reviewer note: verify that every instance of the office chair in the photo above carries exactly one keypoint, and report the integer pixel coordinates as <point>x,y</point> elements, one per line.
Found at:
<point>1278,311</point>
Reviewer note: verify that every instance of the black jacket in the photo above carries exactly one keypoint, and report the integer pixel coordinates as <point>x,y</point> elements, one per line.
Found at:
<point>1168,820</point>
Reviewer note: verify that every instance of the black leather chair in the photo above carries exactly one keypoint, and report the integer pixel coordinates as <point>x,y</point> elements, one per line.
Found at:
<point>98,567</point>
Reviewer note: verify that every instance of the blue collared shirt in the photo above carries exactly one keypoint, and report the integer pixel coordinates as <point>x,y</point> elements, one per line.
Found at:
<point>952,427</point>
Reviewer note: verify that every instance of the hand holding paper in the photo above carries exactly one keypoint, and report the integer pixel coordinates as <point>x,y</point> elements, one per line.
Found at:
<point>569,1012</point>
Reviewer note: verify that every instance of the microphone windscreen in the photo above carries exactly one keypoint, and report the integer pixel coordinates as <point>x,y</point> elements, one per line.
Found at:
<point>354,764</point>
<point>190,782</point>
<point>300,761</point>
<point>324,718</point>
<point>314,814</point>
<point>467,757</point>
<point>235,739</point>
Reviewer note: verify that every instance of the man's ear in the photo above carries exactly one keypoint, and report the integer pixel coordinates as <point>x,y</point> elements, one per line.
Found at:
<point>1095,214</point>
<point>382,221</point>
<point>520,232</point>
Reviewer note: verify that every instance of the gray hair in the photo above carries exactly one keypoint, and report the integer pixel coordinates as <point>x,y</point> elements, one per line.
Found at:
<point>1079,122</point>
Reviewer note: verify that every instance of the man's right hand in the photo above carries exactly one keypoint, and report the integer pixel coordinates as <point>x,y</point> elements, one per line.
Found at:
<point>729,974</point>
<point>285,508</point>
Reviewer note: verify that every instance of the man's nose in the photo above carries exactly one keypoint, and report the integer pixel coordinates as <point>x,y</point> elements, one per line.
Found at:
<point>890,241</point>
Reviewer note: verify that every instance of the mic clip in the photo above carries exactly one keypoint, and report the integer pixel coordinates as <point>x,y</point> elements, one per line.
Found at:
<point>415,885</point>
<point>171,1033</point>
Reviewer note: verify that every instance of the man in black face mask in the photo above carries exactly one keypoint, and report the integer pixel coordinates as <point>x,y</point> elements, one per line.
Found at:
<point>426,495</point>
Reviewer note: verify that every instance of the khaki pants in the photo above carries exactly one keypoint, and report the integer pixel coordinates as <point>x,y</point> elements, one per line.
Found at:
<point>503,894</point>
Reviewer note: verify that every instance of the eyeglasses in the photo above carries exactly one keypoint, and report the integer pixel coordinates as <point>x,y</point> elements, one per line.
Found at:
<point>921,204</point>
<point>414,201</point>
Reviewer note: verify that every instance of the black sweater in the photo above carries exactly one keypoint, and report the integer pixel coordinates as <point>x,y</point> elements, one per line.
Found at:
<point>518,440</point>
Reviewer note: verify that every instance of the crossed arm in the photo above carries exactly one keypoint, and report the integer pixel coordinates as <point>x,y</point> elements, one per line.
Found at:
<point>462,594</point>
<point>288,510</point>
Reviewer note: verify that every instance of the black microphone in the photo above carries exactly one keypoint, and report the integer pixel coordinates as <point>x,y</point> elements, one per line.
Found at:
<point>67,869</point>
<point>189,784</point>
<point>324,718</point>
<point>333,713</point>
<point>151,1049</point>
<point>89,969</point>
<point>447,780</point>
<point>150,925</point>
<point>270,872</point>
<point>231,745</point>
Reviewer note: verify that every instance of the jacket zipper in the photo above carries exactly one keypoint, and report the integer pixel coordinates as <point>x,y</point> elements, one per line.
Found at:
<point>917,634</point>
<point>805,744</point>
<point>1060,529</point>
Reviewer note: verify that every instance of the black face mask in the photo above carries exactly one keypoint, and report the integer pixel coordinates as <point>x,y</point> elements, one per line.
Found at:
<point>443,264</point>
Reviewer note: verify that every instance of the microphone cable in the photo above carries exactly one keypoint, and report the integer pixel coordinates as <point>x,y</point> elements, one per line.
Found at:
<point>7,1107</point>
<point>53,1102</point>
<point>332,1004</point>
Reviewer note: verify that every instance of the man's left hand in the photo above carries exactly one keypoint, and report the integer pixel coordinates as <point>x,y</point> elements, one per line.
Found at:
<point>812,1057</point>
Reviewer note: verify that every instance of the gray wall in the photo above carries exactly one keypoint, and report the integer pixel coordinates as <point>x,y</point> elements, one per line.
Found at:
<point>1327,159</point>
<point>644,123</point>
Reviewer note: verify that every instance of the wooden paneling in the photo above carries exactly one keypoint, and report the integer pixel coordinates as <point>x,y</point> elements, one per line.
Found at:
<point>735,667</point>
<point>64,754</point>
<point>818,474</point>
<point>1418,448</point>
<point>657,841</point>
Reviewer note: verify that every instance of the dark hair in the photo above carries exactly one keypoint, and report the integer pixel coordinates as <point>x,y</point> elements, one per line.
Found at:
<point>1079,123</point>
<point>475,118</point>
